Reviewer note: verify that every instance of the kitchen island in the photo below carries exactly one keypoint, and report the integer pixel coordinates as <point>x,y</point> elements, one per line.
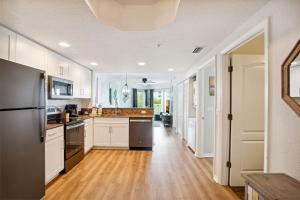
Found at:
<point>123,128</point>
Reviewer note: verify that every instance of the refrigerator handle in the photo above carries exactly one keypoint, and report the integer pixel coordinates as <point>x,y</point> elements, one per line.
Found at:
<point>42,112</point>
<point>42,118</point>
<point>42,97</point>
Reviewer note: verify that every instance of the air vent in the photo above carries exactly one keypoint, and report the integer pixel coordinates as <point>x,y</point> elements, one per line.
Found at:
<point>197,49</point>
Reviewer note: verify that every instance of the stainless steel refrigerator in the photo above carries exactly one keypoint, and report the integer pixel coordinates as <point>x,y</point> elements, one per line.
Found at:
<point>22,131</point>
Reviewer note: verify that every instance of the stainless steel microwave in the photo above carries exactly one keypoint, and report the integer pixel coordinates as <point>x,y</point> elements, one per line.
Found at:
<point>59,88</point>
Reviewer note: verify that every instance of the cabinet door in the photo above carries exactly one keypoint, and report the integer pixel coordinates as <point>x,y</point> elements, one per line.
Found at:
<point>4,44</point>
<point>54,158</point>
<point>57,65</point>
<point>120,135</point>
<point>86,83</point>
<point>30,54</point>
<point>101,135</point>
<point>75,74</point>
<point>89,141</point>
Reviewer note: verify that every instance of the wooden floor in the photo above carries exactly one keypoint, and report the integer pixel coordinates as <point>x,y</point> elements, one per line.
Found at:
<point>169,172</point>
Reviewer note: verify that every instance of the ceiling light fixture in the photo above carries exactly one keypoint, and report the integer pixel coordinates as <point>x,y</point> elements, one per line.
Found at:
<point>170,69</point>
<point>93,63</point>
<point>125,91</point>
<point>141,63</point>
<point>63,44</point>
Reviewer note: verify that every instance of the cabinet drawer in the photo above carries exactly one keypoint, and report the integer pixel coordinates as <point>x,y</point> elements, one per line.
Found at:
<point>54,133</point>
<point>111,120</point>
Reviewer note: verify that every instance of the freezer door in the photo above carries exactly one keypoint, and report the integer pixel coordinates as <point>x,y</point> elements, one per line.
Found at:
<point>21,86</point>
<point>22,154</point>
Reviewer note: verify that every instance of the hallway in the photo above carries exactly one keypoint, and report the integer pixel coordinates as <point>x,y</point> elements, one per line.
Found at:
<point>169,172</point>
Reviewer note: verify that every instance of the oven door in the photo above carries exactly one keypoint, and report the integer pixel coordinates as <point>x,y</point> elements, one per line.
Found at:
<point>74,139</point>
<point>60,88</point>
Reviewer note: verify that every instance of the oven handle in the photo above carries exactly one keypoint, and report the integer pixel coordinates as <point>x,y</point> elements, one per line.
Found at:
<point>140,120</point>
<point>75,126</point>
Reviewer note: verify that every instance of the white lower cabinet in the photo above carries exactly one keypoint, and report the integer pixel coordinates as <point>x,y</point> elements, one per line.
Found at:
<point>54,153</point>
<point>88,135</point>
<point>119,135</point>
<point>111,132</point>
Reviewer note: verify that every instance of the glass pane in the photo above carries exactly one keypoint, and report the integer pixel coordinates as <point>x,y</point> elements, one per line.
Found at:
<point>141,99</point>
<point>157,102</point>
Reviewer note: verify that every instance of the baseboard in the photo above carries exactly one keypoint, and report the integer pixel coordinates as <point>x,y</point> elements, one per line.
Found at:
<point>208,155</point>
<point>216,179</point>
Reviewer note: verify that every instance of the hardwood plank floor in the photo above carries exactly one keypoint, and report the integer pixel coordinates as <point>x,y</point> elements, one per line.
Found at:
<point>169,172</point>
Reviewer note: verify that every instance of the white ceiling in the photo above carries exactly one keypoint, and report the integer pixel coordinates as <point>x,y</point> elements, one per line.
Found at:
<point>199,23</point>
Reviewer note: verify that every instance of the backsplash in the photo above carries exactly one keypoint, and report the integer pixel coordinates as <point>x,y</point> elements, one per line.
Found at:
<point>128,111</point>
<point>82,103</point>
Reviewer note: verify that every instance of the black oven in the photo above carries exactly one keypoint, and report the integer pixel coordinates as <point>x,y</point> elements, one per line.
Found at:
<point>59,88</point>
<point>74,144</point>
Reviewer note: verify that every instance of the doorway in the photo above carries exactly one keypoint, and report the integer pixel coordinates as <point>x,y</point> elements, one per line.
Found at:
<point>246,110</point>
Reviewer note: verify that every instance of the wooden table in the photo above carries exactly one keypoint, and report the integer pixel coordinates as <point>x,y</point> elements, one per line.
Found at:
<point>271,187</point>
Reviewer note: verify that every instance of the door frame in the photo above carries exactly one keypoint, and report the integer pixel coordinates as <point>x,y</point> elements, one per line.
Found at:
<point>221,170</point>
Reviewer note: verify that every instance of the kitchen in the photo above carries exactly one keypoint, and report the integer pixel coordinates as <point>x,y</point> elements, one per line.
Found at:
<point>59,90</point>
<point>149,99</point>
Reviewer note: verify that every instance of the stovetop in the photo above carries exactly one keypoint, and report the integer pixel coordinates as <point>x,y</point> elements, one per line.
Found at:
<point>66,122</point>
<point>57,119</point>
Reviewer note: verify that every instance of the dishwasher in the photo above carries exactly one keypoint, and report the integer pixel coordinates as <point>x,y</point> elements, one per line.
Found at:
<point>140,133</point>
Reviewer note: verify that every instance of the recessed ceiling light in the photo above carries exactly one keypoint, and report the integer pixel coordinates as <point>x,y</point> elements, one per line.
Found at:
<point>170,69</point>
<point>63,44</point>
<point>141,63</point>
<point>93,63</point>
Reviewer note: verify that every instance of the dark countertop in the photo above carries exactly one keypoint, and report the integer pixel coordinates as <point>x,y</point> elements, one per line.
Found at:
<point>124,116</point>
<point>51,126</point>
<point>84,117</point>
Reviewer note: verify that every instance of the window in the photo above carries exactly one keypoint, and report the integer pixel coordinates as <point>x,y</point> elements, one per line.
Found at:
<point>141,99</point>
<point>157,102</point>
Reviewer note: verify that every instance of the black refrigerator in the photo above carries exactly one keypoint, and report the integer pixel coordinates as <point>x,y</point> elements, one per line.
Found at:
<point>22,131</point>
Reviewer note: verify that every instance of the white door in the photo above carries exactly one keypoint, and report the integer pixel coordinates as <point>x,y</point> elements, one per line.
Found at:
<point>247,144</point>
<point>185,108</point>
<point>102,134</point>
<point>120,135</point>
<point>180,108</point>
<point>208,107</point>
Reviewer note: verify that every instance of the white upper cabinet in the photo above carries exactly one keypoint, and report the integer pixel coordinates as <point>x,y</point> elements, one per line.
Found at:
<point>58,66</point>
<point>82,78</point>
<point>7,44</point>
<point>19,49</point>
<point>85,83</point>
<point>4,44</point>
<point>30,54</point>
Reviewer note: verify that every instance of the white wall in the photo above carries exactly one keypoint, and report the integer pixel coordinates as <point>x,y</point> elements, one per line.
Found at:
<point>284,124</point>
